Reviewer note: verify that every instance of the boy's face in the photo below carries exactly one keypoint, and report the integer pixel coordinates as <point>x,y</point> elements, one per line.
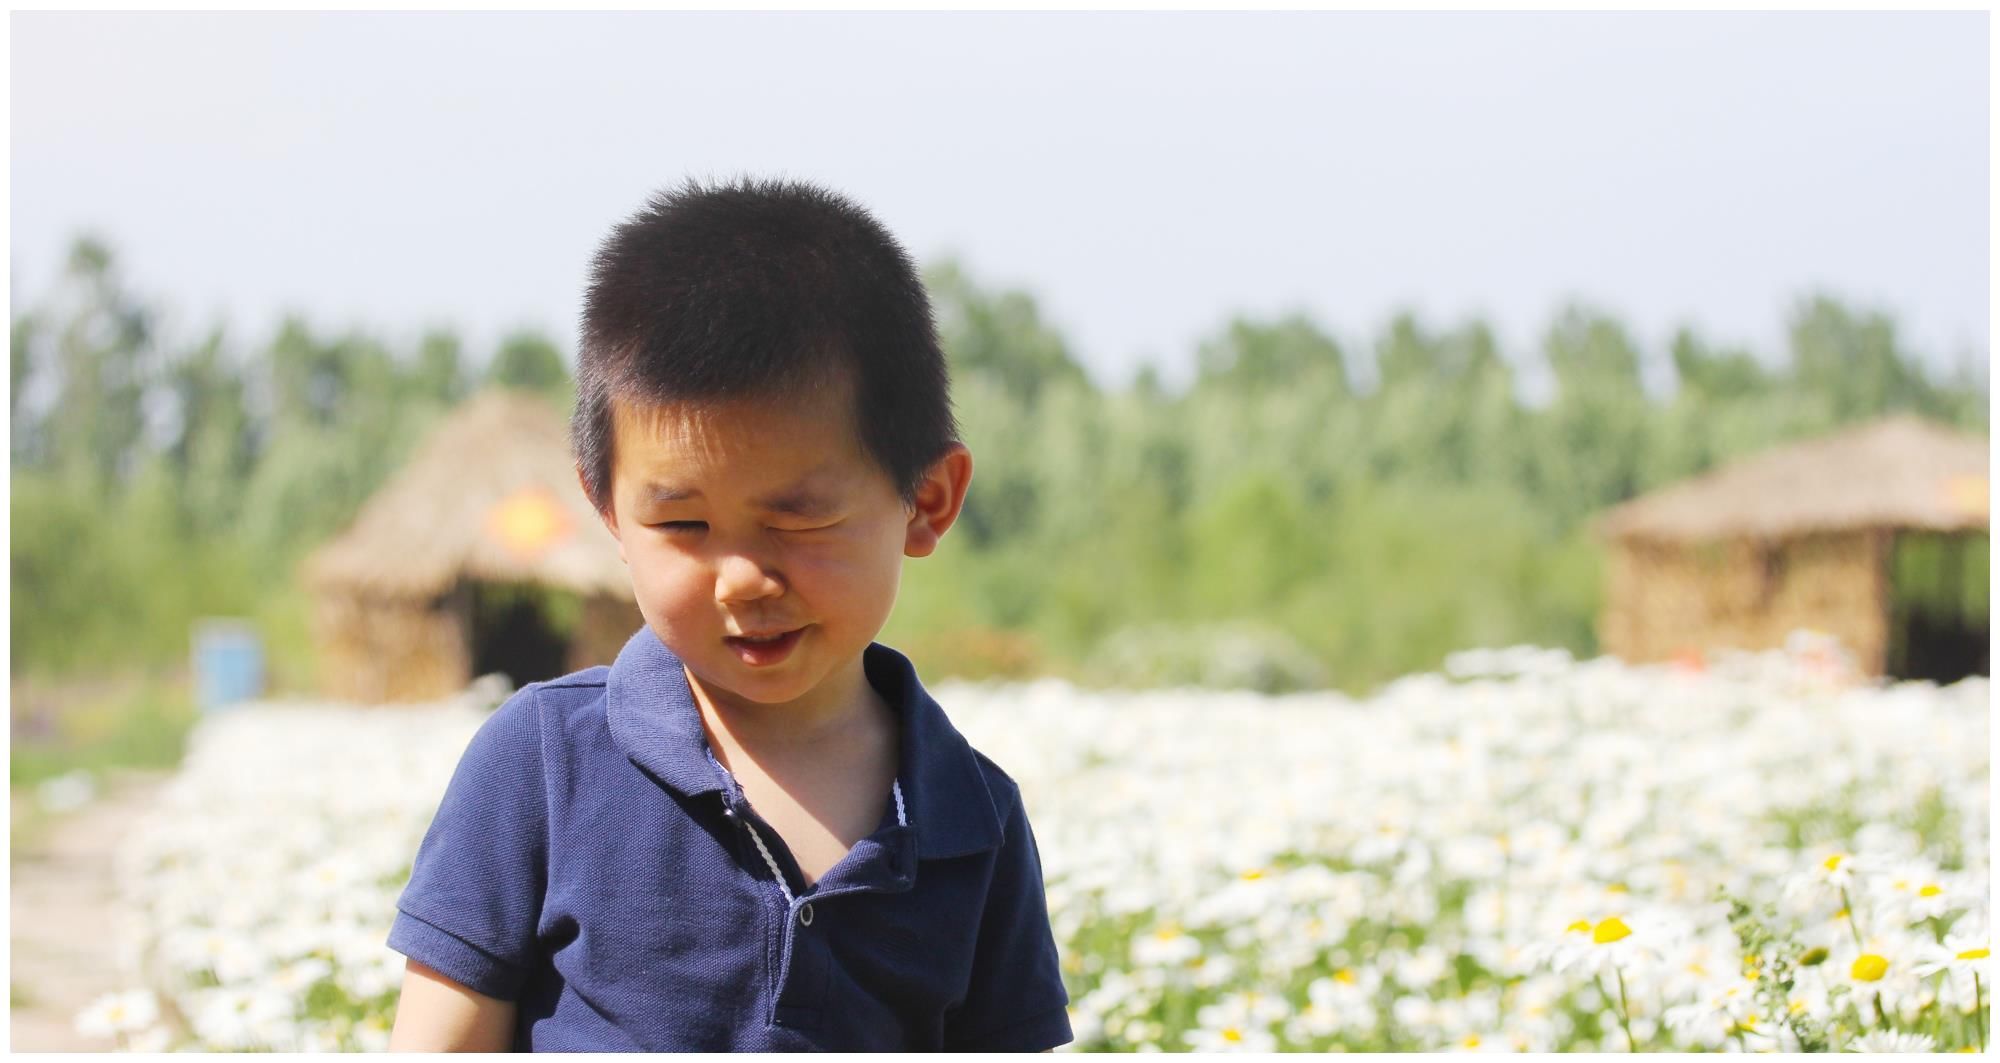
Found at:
<point>758,517</point>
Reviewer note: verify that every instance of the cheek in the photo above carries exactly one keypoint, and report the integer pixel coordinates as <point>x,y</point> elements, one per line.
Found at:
<point>852,568</point>
<point>669,588</point>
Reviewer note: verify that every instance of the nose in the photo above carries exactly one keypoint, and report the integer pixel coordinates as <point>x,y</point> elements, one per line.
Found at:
<point>741,578</point>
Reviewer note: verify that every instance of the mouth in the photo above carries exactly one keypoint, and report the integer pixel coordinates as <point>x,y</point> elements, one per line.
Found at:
<point>761,651</point>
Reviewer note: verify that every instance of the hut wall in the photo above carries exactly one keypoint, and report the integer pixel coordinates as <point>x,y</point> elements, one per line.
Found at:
<point>602,628</point>
<point>1663,599</point>
<point>387,650</point>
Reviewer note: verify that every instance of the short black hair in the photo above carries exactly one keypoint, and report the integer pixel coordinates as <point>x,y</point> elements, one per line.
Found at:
<point>754,288</point>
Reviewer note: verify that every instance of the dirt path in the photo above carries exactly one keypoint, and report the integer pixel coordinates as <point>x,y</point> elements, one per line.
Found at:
<point>64,916</point>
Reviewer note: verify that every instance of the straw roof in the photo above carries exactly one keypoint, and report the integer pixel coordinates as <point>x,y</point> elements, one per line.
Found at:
<point>490,494</point>
<point>1901,472</point>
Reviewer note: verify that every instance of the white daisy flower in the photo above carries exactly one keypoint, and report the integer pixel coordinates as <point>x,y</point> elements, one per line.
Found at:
<point>1879,970</point>
<point>1493,1041</point>
<point>1892,1041</point>
<point>1911,891</point>
<point>1709,1021</point>
<point>151,1040</point>
<point>1831,871</point>
<point>298,977</point>
<point>372,1033</point>
<point>116,1014</point>
<point>1166,946</point>
<point>1965,953</point>
<point>225,1018</point>
<point>1231,1039</point>
<point>1614,942</point>
<point>1243,1010</point>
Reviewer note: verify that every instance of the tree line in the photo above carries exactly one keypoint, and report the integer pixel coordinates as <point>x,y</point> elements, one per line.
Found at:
<point>1273,519</point>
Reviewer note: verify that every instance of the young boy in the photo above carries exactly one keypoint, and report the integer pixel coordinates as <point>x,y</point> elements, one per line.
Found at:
<point>755,830</point>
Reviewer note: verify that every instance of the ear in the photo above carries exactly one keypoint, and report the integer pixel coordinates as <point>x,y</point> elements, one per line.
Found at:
<point>939,499</point>
<point>608,516</point>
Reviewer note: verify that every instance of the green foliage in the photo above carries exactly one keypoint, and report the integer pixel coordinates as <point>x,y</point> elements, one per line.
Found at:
<point>1946,575</point>
<point>1298,527</point>
<point>141,723</point>
<point>1773,957</point>
<point>155,484</point>
<point>1000,335</point>
<point>1259,357</point>
<point>440,374</point>
<point>528,361</point>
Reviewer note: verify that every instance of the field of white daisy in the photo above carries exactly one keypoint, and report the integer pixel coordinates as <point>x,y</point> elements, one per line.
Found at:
<point>1520,853</point>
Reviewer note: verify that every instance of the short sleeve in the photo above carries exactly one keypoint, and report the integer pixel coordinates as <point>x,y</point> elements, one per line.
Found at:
<point>475,890</point>
<point>1015,1001</point>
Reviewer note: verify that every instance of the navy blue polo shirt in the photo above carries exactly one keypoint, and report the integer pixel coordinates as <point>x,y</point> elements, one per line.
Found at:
<point>591,862</point>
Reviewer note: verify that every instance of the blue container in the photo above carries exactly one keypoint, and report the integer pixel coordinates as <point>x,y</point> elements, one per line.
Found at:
<point>228,663</point>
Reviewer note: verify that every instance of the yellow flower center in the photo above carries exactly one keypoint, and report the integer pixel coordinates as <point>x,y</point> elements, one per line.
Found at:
<point>1471,1040</point>
<point>1869,967</point>
<point>1610,930</point>
<point>1232,1034</point>
<point>1833,862</point>
<point>1973,954</point>
<point>1930,891</point>
<point>1581,926</point>
<point>1345,974</point>
<point>1253,874</point>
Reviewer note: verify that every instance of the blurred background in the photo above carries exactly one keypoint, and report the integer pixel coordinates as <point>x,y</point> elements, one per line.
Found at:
<point>1296,351</point>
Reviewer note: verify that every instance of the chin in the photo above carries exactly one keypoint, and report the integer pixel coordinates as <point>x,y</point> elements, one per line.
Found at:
<point>762,689</point>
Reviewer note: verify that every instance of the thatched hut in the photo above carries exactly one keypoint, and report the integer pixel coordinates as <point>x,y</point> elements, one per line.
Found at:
<point>480,555</point>
<point>1875,535</point>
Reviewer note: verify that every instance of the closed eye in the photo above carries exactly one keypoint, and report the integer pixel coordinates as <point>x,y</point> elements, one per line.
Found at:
<point>683,526</point>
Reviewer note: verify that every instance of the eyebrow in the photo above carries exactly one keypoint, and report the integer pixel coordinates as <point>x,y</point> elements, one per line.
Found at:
<point>797,501</point>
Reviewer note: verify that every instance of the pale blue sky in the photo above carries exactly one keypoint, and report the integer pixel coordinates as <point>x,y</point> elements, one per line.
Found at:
<point>1145,175</point>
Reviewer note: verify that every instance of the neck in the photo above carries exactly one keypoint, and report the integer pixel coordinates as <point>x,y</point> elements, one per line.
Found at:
<point>833,710</point>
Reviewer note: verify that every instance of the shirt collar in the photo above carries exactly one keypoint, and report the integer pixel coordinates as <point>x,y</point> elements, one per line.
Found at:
<point>655,722</point>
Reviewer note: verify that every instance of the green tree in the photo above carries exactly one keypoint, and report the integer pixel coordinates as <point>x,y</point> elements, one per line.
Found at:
<point>527,361</point>
<point>102,344</point>
<point>439,374</point>
<point>1852,360</point>
<point>1712,375</point>
<point>25,440</point>
<point>1261,356</point>
<point>997,334</point>
<point>1589,438</point>
<point>210,447</point>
